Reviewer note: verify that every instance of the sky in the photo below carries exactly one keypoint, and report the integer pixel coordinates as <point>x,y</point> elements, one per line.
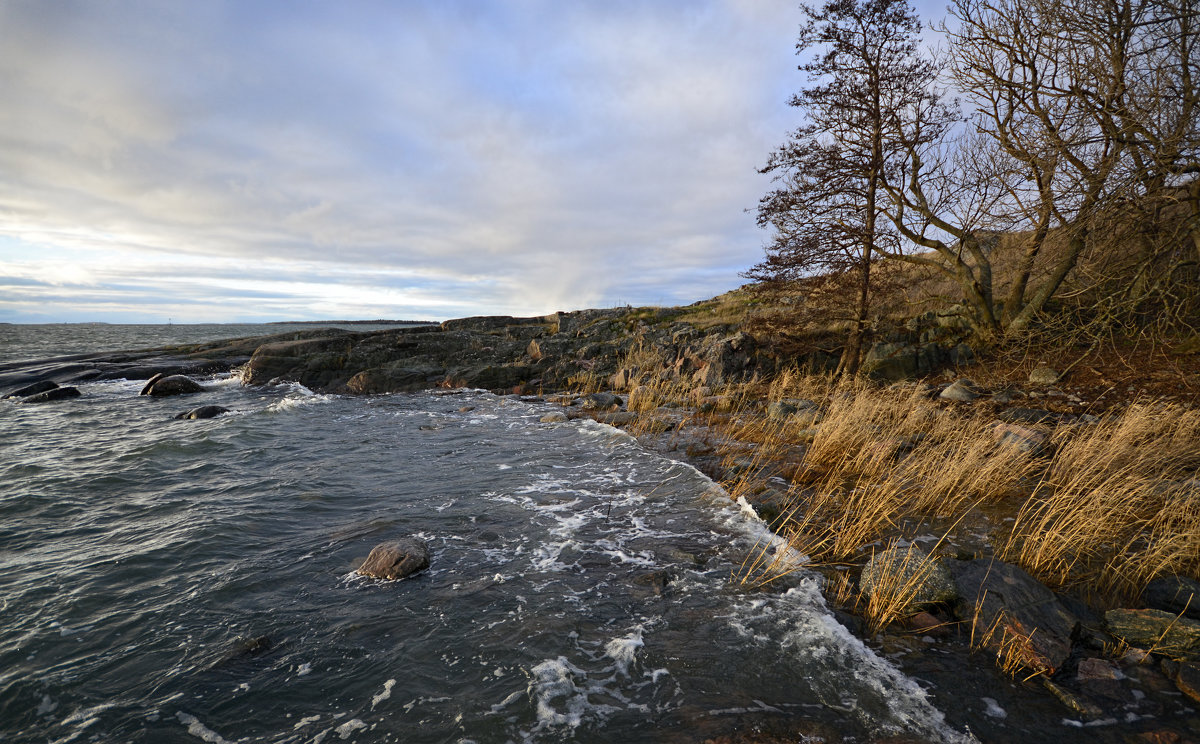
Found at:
<point>248,161</point>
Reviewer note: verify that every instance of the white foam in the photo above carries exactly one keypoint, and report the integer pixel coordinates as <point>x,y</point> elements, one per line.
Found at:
<point>387,693</point>
<point>348,729</point>
<point>305,721</point>
<point>623,650</point>
<point>199,730</point>
<point>303,669</point>
<point>993,709</point>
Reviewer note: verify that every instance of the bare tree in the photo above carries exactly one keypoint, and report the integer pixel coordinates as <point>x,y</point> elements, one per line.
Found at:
<point>1081,108</point>
<point>827,213</point>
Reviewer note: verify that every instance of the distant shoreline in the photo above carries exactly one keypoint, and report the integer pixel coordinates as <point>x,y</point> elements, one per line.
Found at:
<point>352,322</point>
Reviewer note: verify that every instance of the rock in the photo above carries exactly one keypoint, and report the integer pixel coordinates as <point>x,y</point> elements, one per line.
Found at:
<point>601,402</point>
<point>780,410</point>
<point>1163,632</point>
<point>1011,609</point>
<point>1076,703</point>
<point>1030,416</point>
<point>1021,438</point>
<point>44,386</point>
<point>617,418</point>
<point>1174,594</point>
<point>909,571</point>
<point>57,393</point>
<point>1043,376</point>
<point>1100,678</point>
<point>150,382</point>
<point>699,393</point>
<point>557,417</point>
<point>203,412</point>
<point>963,390</point>
<point>160,387</point>
<point>396,559</point>
<point>1187,679</point>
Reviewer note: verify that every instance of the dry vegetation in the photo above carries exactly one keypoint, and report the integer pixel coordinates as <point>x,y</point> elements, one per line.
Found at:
<point>1101,509</point>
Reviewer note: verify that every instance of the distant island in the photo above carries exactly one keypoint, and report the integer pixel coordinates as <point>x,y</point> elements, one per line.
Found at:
<point>352,322</point>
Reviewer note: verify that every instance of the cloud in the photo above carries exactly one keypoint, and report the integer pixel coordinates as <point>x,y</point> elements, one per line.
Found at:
<point>390,159</point>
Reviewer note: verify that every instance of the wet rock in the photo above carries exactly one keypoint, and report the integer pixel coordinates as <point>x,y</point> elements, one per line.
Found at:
<point>396,559</point>
<point>910,572</point>
<point>249,647</point>
<point>58,393</point>
<point>556,417</point>
<point>962,390</point>
<point>1164,632</point>
<point>203,412</point>
<point>617,418</point>
<point>1043,376</point>
<point>1187,679</point>
<point>601,402</point>
<point>656,581</point>
<point>38,387</point>
<point>1174,594</point>
<point>1076,703</point>
<point>1100,678</point>
<point>1020,438</point>
<point>1014,611</point>
<point>160,387</point>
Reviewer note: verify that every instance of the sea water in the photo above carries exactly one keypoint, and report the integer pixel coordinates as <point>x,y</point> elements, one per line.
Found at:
<point>170,580</point>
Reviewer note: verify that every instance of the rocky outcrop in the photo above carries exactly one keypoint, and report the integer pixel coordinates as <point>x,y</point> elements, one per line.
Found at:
<point>396,559</point>
<point>34,389</point>
<point>57,393</point>
<point>1164,632</point>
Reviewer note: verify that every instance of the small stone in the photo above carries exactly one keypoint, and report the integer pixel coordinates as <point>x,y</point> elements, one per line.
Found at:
<point>396,559</point>
<point>556,417</point>
<point>962,390</point>
<point>601,402</point>
<point>1043,376</point>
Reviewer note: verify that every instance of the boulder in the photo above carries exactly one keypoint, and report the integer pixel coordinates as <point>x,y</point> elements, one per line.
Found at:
<point>910,571</point>
<point>1043,376</point>
<point>555,417</point>
<point>1020,438</point>
<point>161,387</point>
<point>1174,594</point>
<point>1163,632</point>
<point>57,393</point>
<point>963,390</point>
<point>37,387</point>
<point>396,559</point>
<point>1013,611</point>
<point>203,412</point>
<point>601,402</point>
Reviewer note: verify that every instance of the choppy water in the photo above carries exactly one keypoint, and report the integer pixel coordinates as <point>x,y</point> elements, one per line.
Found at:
<point>580,587</point>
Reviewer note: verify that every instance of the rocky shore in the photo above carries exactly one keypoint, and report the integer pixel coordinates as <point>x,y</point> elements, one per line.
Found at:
<point>1123,667</point>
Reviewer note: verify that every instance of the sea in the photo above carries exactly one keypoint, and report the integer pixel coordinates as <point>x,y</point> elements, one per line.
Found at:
<point>169,580</point>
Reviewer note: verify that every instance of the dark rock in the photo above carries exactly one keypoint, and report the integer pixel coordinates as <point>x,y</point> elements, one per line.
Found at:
<point>1187,679</point>
<point>203,412</point>
<point>909,571</point>
<point>1163,632</point>
<point>57,393</point>
<point>394,378</point>
<point>250,647</point>
<point>150,382</point>
<point>1076,703</point>
<point>601,402</point>
<point>396,559</point>
<point>1009,607</point>
<point>1174,594</point>
<point>162,387</point>
<point>38,387</point>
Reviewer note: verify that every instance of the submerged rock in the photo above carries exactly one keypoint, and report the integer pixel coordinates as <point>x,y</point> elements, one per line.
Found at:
<point>34,389</point>
<point>396,559</point>
<point>203,412</point>
<point>161,386</point>
<point>58,393</point>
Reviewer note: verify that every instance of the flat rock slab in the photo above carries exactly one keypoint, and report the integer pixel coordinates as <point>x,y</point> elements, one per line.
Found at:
<point>1015,611</point>
<point>1163,632</point>
<point>396,559</point>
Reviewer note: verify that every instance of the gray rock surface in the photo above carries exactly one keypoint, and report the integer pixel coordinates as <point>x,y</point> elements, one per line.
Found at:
<point>1008,605</point>
<point>1163,632</point>
<point>396,559</point>
<point>962,390</point>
